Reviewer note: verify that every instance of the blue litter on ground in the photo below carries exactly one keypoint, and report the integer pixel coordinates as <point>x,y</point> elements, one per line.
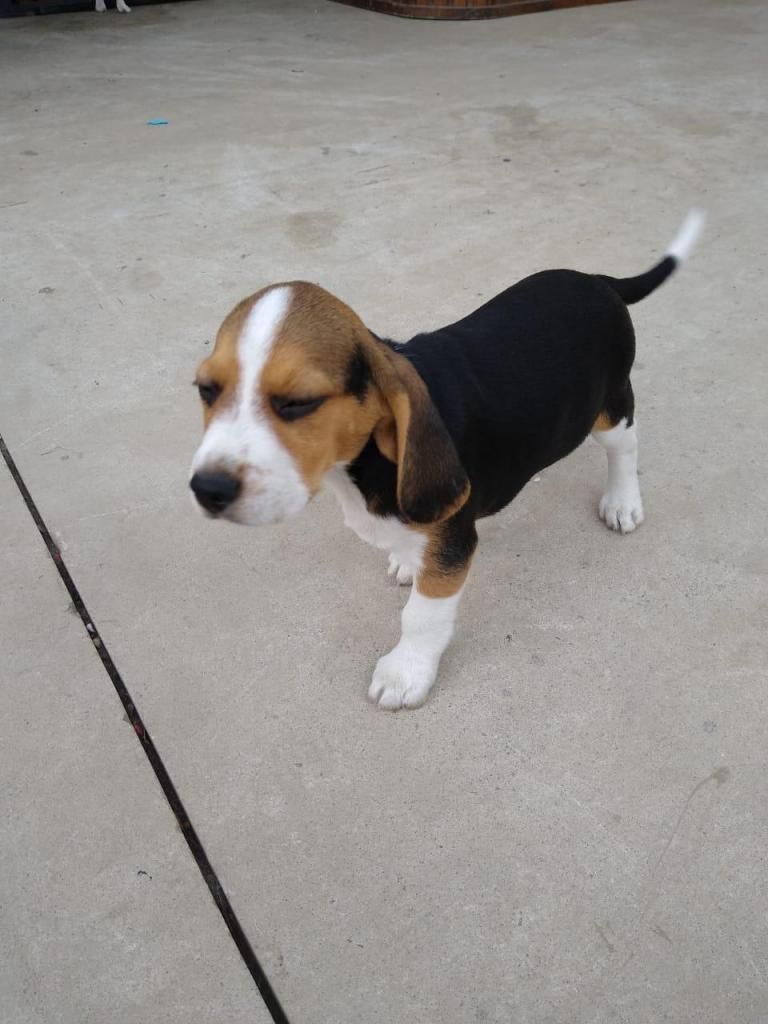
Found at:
<point>157,120</point>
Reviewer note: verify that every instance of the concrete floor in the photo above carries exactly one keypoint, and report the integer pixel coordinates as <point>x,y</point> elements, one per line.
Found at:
<point>574,829</point>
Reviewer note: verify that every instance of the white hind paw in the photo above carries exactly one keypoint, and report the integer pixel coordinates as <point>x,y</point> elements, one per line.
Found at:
<point>402,573</point>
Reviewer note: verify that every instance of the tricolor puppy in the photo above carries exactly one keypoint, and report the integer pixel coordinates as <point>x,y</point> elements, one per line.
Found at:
<point>419,440</point>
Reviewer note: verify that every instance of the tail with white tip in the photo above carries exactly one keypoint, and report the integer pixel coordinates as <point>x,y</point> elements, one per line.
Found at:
<point>687,237</point>
<point>634,289</point>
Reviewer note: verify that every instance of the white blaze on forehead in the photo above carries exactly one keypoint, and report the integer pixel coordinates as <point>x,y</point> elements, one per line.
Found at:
<point>257,338</point>
<point>241,439</point>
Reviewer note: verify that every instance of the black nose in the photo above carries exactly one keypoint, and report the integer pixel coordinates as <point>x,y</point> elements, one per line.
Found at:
<point>215,491</point>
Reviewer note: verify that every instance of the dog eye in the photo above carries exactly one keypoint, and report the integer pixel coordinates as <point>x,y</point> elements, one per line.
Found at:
<point>290,409</point>
<point>209,392</point>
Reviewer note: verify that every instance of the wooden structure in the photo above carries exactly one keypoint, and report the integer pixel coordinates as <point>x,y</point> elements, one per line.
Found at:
<point>458,10</point>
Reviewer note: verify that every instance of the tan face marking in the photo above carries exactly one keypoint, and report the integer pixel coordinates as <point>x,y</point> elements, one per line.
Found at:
<point>239,444</point>
<point>221,368</point>
<point>295,344</point>
<point>282,348</point>
<point>320,340</point>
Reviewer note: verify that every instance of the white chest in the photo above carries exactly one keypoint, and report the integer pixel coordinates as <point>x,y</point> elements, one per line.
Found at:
<point>405,544</point>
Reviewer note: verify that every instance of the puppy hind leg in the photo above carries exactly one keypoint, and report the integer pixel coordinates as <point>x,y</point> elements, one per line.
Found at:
<point>621,506</point>
<point>401,570</point>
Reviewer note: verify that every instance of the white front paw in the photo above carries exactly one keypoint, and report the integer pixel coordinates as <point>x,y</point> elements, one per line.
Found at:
<point>402,573</point>
<point>123,7</point>
<point>402,678</point>
<point>101,6</point>
<point>622,510</point>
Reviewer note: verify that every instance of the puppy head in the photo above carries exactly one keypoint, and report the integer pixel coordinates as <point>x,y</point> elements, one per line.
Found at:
<point>295,385</point>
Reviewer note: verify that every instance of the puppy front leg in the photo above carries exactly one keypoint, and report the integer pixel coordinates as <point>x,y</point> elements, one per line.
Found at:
<point>404,677</point>
<point>100,6</point>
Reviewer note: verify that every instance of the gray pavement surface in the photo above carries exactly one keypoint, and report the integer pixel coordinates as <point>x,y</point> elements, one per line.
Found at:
<point>574,829</point>
<point>103,914</point>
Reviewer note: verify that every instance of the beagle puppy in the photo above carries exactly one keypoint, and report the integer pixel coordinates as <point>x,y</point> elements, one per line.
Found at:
<point>419,440</point>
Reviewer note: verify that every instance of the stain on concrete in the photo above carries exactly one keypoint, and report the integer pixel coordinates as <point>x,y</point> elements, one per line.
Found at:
<point>601,932</point>
<point>313,229</point>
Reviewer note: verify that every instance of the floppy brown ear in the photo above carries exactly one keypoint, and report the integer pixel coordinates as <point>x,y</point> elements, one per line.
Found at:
<point>431,481</point>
